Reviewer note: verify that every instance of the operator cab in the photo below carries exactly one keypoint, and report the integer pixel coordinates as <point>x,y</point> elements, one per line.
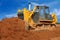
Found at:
<point>42,13</point>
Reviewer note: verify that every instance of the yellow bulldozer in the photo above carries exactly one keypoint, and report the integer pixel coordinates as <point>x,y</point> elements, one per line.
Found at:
<point>37,18</point>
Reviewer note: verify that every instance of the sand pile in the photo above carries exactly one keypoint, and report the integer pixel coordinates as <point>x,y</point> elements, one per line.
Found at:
<point>13,29</point>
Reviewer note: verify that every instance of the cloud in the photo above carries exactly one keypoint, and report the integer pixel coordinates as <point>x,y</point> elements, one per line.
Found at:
<point>52,3</point>
<point>36,4</point>
<point>56,11</point>
<point>47,4</point>
<point>10,15</point>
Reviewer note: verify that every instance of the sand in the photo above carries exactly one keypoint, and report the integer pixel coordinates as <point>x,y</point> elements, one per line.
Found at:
<point>13,29</point>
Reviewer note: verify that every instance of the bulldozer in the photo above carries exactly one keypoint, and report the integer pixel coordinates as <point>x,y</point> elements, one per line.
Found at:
<point>37,18</point>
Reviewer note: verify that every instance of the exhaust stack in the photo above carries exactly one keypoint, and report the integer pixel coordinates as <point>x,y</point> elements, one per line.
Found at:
<point>29,6</point>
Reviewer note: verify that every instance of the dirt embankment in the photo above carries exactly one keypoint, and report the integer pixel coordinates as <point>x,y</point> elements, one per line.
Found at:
<point>13,29</point>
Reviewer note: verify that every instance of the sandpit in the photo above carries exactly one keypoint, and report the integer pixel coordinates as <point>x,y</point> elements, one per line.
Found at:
<point>13,29</point>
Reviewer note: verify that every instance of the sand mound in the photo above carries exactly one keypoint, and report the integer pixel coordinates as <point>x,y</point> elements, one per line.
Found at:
<point>13,29</point>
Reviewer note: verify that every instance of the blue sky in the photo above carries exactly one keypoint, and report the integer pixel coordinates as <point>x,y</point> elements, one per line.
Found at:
<point>8,8</point>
